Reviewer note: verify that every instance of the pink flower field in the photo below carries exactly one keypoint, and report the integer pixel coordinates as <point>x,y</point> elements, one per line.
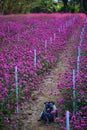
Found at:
<point>47,35</point>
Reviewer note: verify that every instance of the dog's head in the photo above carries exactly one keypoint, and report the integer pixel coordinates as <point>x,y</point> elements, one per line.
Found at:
<point>49,106</point>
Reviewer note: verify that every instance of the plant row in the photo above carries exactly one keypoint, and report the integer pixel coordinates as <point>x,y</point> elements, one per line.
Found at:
<point>76,105</point>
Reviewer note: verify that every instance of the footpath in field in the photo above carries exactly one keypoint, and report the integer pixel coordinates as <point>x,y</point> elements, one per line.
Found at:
<point>35,106</point>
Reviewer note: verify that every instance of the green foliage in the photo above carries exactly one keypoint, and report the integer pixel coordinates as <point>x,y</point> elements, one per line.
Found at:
<point>27,6</point>
<point>35,6</point>
<point>46,6</point>
<point>14,6</point>
<point>58,7</point>
<point>73,8</point>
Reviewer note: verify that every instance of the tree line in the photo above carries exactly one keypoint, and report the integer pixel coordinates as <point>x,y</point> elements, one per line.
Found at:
<point>46,6</point>
<point>73,3</point>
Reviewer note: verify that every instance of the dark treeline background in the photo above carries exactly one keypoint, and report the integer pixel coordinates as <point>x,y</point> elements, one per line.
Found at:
<point>46,6</point>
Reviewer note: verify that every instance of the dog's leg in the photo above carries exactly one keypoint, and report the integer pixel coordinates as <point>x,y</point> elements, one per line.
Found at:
<point>41,116</point>
<point>47,120</point>
<point>42,113</point>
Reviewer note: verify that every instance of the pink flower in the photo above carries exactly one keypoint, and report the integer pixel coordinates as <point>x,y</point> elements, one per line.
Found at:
<point>53,112</point>
<point>1,99</point>
<point>78,127</point>
<point>13,122</point>
<point>57,118</point>
<point>8,106</point>
<point>6,119</point>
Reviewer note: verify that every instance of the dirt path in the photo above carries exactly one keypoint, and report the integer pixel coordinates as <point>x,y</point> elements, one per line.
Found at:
<point>34,108</point>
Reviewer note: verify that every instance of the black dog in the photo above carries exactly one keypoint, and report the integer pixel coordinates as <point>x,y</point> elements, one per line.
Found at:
<point>49,112</point>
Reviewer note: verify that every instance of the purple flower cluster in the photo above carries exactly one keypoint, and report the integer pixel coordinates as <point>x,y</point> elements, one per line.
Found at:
<point>19,36</point>
<point>79,120</point>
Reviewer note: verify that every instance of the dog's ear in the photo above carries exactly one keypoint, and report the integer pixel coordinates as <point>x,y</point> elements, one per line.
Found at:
<point>45,102</point>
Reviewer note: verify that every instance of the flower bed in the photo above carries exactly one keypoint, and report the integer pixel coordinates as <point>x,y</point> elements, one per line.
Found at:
<point>19,38</point>
<point>78,112</point>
